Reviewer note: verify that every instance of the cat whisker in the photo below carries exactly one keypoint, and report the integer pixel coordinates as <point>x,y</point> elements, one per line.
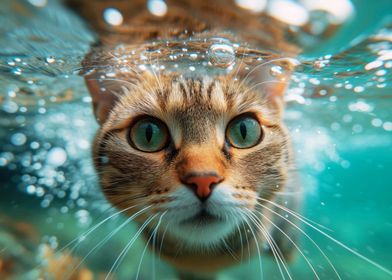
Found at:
<point>229,250</point>
<point>107,238</point>
<point>244,80</point>
<point>113,80</point>
<point>275,249</point>
<point>243,214</point>
<point>163,239</point>
<point>155,74</point>
<point>295,245</point>
<point>387,271</point>
<point>80,238</point>
<point>232,84</point>
<point>242,242</point>
<point>117,202</point>
<point>262,83</point>
<point>248,245</point>
<point>147,242</point>
<point>154,239</point>
<point>125,250</point>
<point>287,193</point>
<point>299,215</point>
<point>233,214</point>
<point>307,236</point>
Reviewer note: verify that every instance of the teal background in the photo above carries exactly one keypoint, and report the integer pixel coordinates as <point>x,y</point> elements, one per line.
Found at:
<point>345,172</point>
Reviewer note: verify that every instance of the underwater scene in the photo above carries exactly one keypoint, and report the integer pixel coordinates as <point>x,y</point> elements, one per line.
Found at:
<point>57,223</point>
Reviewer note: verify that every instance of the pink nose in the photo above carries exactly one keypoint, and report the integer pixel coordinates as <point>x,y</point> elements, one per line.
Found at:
<point>202,184</point>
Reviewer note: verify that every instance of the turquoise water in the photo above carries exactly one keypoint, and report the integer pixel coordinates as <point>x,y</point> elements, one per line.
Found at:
<point>48,191</point>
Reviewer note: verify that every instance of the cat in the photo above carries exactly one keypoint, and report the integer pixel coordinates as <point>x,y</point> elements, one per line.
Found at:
<point>199,160</point>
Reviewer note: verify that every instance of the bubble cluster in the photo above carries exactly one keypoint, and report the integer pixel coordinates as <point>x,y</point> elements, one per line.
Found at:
<point>52,164</point>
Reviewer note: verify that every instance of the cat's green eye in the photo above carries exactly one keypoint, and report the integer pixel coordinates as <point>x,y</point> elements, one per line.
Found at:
<point>148,135</point>
<point>244,132</point>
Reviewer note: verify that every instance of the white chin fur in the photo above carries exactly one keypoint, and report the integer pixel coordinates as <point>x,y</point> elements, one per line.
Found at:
<point>198,234</point>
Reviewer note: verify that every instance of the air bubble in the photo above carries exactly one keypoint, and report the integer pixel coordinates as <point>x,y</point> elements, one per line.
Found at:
<point>221,55</point>
<point>38,3</point>
<point>289,12</point>
<point>17,71</point>
<point>255,6</point>
<point>373,65</point>
<point>381,72</point>
<point>357,128</point>
<point>39,191</point>
<point>319,64</point>
<point>359,89</point>
<point>113,16</point>
<point>83,217</point>
<point>64,209</point>
<point>3,161</point>
<point>376,122</point>
<point>18,139</point>
<point>348,86</point>
<point>30,189</point>
<point>276,71</point>
<point>335,126</point>
<point>45,203</point>
<point>56,156</point>
<point>193,56</point>
<point>157,7</point>
<point>10,107</point>
<point>360,106</point>
<point>387,126</point>
<point>347,118</point>
<point>314,81</point>
<point>84,144</point>
<point>50,59</point>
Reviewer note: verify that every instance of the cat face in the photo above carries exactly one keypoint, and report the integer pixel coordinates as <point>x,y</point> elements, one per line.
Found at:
<point>201,151</point>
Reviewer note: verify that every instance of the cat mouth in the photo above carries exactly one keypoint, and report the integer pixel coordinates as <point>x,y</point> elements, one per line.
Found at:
<point>203,218</point>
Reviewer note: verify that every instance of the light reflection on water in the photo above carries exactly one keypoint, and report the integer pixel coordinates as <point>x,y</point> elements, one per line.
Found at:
<point>338,113</point>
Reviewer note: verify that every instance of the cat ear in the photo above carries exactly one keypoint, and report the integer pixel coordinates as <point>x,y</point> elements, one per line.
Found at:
<point>106,91</point>
<point>275,91</point>
<point>104,94</point>
<point>271,80</point>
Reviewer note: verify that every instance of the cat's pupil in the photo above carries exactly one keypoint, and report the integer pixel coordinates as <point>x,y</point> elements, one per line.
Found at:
<point>148,133</point>
<point>243,130</point>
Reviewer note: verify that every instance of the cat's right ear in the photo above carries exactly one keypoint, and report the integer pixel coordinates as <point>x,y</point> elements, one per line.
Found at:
<point>104,95</point>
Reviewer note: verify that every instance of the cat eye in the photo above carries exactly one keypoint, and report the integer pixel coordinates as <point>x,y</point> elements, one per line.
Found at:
<point>148,135</point>
<point>244,132</point>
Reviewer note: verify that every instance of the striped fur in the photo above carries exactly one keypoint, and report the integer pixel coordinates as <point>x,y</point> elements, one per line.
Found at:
<point>196,112</point>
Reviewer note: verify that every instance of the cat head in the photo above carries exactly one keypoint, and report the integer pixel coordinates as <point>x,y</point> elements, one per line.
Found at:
<point>199,151</point>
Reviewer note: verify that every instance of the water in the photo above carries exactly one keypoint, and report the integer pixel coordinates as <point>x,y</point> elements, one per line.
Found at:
<point>338,112</point>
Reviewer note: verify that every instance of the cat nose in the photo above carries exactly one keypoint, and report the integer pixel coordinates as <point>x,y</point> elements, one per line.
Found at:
<point>202,183</point>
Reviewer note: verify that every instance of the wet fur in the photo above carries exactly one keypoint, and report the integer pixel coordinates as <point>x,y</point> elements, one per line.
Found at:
<point>196,110</point>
